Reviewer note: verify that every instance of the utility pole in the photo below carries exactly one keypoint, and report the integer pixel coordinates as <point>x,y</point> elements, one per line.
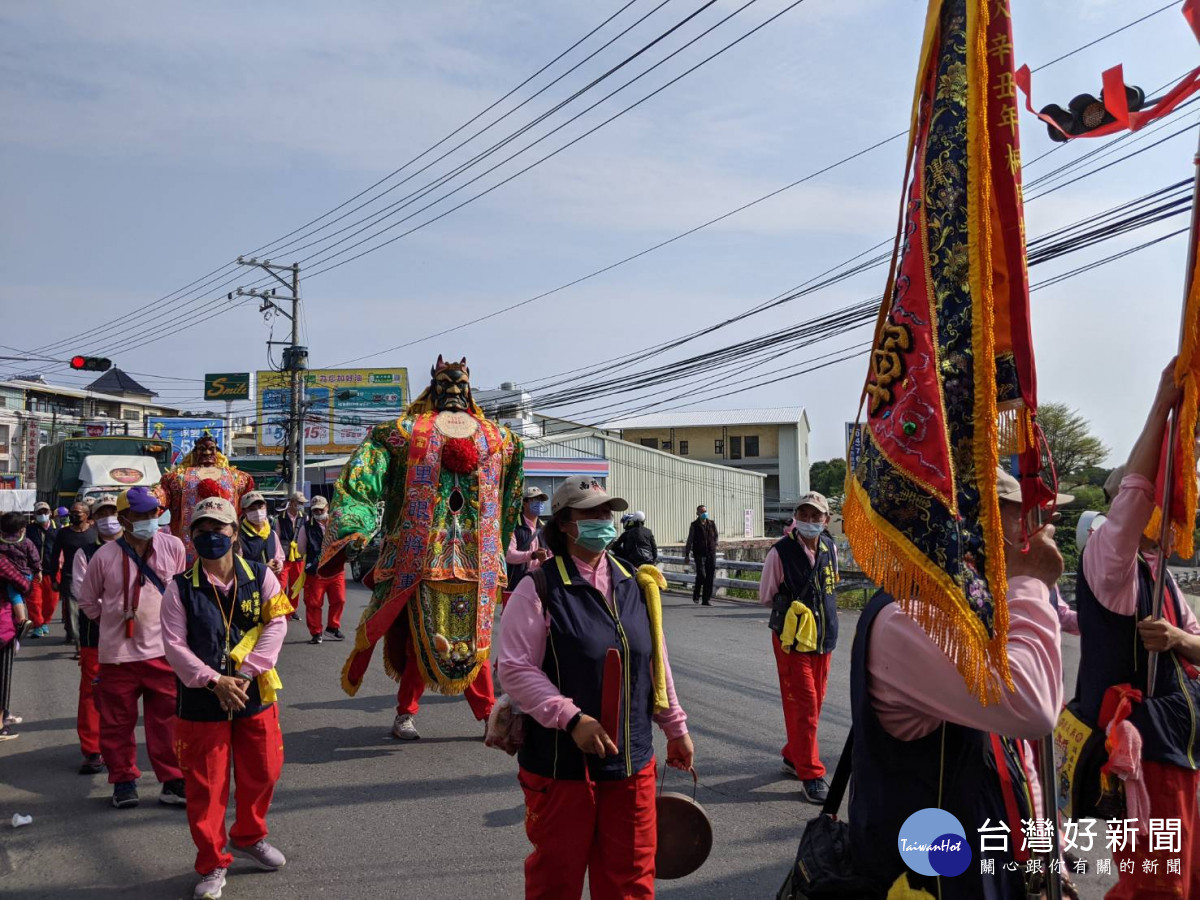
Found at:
<point>295,359</point>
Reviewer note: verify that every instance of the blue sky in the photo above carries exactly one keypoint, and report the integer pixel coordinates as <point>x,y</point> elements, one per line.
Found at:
<point>145,144</point>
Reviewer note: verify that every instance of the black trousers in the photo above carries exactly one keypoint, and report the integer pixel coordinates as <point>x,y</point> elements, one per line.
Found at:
<point>706,565</point>
<point>7,652</point>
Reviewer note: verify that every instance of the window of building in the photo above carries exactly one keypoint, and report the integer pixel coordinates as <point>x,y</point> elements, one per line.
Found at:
<point>735,448</point>
<point>719,447</point>
<point>666,445</point>
<point>751,445</point>
<point>652,443</point>
<point>132,415</point>
<point>683,448</point>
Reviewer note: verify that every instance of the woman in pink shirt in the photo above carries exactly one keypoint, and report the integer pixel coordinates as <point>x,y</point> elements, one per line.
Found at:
<point>223,624</point>
<point>580,657</point>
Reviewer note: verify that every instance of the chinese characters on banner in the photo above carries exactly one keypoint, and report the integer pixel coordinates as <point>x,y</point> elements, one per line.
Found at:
<point>1080,837</point>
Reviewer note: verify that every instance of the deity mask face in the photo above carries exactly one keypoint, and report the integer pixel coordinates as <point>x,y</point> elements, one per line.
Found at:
<point>206,452</point>
<point>451,386</point>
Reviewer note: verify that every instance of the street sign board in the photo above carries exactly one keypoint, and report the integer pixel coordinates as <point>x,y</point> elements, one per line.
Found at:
<point>856,435</point>
<point>342,407</point>
<point>227,386</point>
<point>182,432</point>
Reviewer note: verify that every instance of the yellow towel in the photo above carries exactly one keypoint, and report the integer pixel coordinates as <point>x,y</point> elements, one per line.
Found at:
<point>293,551</point>
<point>651,581</point>
<point>799,628</point>
<point>900,890</point>
<point>269,681</point>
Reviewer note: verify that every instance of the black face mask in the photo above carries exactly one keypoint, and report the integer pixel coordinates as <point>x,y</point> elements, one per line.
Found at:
<point>76,519</point>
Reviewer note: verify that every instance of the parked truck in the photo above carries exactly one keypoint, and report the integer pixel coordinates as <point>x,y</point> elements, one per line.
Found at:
<point>76,468</point>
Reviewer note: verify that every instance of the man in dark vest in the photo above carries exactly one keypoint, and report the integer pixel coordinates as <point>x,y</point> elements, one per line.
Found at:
<point>1114,597</point>
<point>525,550</point>
<point>289,525</point>
<point>921,739</point>
<point>257,540</point>
<point>223,624</point>
<point>798,581</point>
<point>702,544</point>
<point>43,599</point>
<point>320,581</point>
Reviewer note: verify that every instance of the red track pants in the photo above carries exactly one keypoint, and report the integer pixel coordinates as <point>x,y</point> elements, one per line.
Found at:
<point>607,829</point>
<point>479,693</point>
<point>290,576</point>
<point>315,589</point>
<point>117,693</point>
<point>43,601</point>
<point>255,744</point>
<point>1172,793</point>
<point>87,718</point>
<point>803,678</point>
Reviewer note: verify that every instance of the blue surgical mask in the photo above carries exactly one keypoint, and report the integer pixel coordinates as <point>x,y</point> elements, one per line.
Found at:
<point>212,544</point>
<point>704,515</point>
<point>165,518</point>
<point>42,518</point>
<point>538,508</point>
<point>809,530</point>
<point>145,529</point>
<point>595,534</point>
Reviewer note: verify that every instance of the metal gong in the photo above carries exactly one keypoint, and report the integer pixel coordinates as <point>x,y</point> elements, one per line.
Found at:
<point>684,832</point>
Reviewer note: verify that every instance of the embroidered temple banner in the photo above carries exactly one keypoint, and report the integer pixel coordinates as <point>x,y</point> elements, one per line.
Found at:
<point>951,383</point>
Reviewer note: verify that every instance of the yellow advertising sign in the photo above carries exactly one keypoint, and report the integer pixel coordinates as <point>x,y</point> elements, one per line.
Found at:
<point>341,406</point>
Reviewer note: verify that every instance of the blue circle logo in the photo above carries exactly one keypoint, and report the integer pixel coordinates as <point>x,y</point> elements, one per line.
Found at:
<point>933,842</point>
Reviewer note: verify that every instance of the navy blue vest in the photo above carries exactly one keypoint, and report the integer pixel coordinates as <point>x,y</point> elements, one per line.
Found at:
<point>892,779</point>
<point>813,584</point>
<point>1110,652</point>
<point>524,536</point>
<point>257,549</point>
<point>42,538</point>
<point>287,528</point>
<point>582,629</point>
<point>89,631</point>
<point>206,634</point>
<point>314,533</point>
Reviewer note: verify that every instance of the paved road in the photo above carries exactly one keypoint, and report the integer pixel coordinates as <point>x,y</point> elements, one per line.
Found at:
<point>360,814</point>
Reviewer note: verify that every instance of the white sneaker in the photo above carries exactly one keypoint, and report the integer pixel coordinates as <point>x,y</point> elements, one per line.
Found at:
<point>404,729</point>
<point>209,886</point>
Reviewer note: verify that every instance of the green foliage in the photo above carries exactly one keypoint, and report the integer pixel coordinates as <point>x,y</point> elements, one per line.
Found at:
<point>828,477</point>
<point>1074,448</point>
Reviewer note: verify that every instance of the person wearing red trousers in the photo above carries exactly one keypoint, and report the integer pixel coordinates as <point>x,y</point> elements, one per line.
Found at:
<point>798,581</point>
<point>122,592</point>
<point>43,598</point>
<point>87,716</point>
<point>328,580</point>
<point>224,622</point>
<point>587,766</point>
<point>289,525</point>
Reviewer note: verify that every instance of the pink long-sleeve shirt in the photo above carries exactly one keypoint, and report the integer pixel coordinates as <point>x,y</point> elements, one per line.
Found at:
<point>79,567</point>
<point>523,649</point>
<point>515,557</point>
<point>1068,619</point>
<point>102,598</point>
<point>1110,556</point>
<point>193,671</point>
<point>772,576</point>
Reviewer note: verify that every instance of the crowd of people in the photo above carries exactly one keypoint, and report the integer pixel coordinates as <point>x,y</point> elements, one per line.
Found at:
<point>196,641</point>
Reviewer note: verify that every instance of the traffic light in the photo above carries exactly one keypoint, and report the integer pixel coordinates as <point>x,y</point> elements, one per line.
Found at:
<point>91,363</point>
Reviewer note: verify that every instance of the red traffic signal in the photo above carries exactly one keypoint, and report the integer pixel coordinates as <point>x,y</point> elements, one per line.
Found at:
<point>91,363</point>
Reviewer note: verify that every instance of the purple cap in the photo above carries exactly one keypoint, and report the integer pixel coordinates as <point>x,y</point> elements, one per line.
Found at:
<point>140,500</point>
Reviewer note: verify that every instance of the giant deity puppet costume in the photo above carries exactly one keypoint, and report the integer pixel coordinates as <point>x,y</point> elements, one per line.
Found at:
<point>204,472</point>
<point>449,480</point>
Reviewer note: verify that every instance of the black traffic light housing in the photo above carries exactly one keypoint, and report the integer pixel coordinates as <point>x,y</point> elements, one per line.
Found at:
<point>91,363</point>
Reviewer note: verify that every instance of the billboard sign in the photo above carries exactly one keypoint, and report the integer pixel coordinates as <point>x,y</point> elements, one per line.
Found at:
<point>227,386</point>
<point>856,434</point>
<point>182,433</point>
<point>342,407</point>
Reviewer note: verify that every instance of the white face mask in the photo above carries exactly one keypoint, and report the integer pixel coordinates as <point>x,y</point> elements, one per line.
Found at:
<point>809,529</point>
<point>321,516</point>
<point>108,525</point>
<point>257,516</point>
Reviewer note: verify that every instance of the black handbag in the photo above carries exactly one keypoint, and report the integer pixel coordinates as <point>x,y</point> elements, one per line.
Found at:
<point>824,867</point>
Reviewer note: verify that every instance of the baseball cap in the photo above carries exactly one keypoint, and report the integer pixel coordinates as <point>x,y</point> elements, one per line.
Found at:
<point>533,492</point>
<point>216,508</point>
<point>584,493</point>
<point>250,498</point>
<point>298,496</point>
<point>815,500</point>
<point>104,500</point>
<point>40,506</point>
<point>137,499</point>
<point>1008,488</point>
<point>319,502</point>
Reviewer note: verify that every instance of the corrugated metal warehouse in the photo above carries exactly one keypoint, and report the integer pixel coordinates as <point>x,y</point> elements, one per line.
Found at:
<point>665,487</point>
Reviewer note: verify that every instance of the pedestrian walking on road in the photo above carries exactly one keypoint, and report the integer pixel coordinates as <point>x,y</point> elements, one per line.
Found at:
<point>87,713</point>
<point>13,583</point>
<point>81,532</point>
<point>43,599</point>
<point>122,592</point>
<point>636,545</point>
<point>702,545</point>
<point>583,654</point>
<point>223,623</point>
<point>525,548</point>
<point>798,582</point>
<point>319,582</point>
<point>289,525</point>
<point>256,539</point>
